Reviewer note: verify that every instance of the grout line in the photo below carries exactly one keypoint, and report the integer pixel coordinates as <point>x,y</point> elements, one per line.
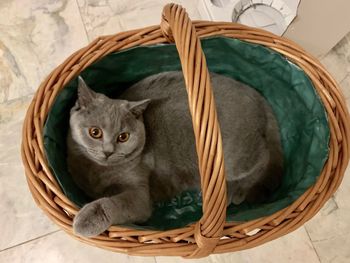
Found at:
<point>347,75</point>
<point>30,240</point>
<point>318,256</point>
<point>22,98</point>
<point>83,22</point>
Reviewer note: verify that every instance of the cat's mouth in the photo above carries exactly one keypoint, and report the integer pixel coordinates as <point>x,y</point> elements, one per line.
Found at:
<point>114,155</point>
<point>110,160</point>
<point>114,159</point>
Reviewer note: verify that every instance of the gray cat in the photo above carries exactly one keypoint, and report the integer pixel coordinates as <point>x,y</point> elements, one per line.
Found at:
<point>139,149</point>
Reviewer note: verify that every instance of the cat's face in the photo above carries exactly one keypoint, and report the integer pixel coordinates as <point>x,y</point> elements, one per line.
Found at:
<point>110,132</point>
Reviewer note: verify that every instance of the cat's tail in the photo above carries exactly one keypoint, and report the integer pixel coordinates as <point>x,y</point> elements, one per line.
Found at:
<point>272,177</point>
<point>273,136</point>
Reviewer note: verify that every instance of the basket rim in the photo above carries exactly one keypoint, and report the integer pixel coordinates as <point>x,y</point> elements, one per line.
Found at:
<point>50,141</point>
<point>50,198</point>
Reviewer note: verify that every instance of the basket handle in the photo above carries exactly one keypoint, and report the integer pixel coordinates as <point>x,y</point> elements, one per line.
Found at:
<point>177,27</point>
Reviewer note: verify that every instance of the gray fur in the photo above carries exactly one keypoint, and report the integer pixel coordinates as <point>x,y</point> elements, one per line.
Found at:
<point>159,159</point>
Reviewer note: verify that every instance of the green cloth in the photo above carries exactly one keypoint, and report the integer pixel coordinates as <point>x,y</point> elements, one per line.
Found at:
<point>300,114</point>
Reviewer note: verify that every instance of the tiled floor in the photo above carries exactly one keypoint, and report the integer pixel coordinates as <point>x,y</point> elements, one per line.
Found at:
<point>37,35</point>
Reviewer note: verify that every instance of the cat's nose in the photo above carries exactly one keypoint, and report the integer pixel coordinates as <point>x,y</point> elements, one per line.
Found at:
<point>107,154</point>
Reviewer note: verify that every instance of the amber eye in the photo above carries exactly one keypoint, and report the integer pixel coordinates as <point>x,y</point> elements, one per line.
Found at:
<point>95,132</point>
<point>123,137</point>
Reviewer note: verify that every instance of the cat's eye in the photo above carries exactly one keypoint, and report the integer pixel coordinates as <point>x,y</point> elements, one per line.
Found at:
<point>123,137</point>
<point>95,132</point>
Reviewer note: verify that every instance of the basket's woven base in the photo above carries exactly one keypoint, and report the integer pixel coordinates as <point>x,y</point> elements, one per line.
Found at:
<point>217,237</point>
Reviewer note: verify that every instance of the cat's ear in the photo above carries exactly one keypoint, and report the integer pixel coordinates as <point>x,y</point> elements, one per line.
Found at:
<point>138,107</point>
<point>85,94</point>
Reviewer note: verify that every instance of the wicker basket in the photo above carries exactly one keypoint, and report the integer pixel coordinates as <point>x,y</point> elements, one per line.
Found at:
<point>211,234</point>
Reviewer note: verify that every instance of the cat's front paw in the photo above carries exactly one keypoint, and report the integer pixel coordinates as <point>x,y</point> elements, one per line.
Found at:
<point>92,219</point>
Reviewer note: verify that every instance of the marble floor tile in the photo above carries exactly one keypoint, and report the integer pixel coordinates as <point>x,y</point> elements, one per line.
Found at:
<point>35,36</point>
<point>181,260</point>
<point>20,219</point>
<point>13,109</point>
<point>329,231</point>
<point>342,195</point>
<point>337,61</point>
<point>345,87</point>
<point>104,17</point>
<point>343,49</point>
<point>292,248</point>
<point>60,247</point>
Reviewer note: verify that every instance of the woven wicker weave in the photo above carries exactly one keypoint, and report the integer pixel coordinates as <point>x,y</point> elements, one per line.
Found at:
<point>211,234</point>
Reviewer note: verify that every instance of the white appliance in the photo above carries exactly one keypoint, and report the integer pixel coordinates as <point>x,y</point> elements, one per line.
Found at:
<point>271,15</point>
